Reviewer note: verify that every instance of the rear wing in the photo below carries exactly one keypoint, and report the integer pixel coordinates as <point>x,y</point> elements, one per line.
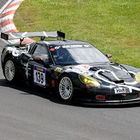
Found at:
<point>22,35</point>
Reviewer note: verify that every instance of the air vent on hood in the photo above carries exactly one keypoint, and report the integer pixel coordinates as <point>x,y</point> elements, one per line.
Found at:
<point>119,81</point>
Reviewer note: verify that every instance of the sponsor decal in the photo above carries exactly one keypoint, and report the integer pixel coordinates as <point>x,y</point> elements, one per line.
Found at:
<point>82,69</point>
<point>58,69</point>
<point>39,69</point>
<point>70,46</point>
<point>120,90</point>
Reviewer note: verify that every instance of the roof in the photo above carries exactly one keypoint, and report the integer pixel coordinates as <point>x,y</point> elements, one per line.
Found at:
<point>66,42</point>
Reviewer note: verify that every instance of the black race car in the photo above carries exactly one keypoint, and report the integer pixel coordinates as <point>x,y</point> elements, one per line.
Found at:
<point>76,69</point>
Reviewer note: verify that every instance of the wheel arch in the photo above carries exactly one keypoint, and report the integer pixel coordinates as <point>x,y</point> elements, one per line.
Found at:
<point>8,55</point>
<point>73,76</point>
<point>65,74</point>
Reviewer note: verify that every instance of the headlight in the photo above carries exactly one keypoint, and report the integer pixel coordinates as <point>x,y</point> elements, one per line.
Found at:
<point>89,81</point>
<point>137,77</point>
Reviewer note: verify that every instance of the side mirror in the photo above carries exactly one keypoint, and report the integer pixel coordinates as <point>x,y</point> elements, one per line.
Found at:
<point>109,56</point>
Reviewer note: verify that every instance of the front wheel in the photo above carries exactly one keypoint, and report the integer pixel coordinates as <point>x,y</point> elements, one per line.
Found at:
<point>66,89</point>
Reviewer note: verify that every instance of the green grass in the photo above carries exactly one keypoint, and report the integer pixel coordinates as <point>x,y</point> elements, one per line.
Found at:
<point>113,26</point>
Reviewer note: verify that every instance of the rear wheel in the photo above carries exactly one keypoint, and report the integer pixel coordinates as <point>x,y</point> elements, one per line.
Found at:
<point>66,89</point>
<point>9,70</point>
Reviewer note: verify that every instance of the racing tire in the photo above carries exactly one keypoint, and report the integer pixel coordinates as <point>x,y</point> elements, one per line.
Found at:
<point>65,88</point>
<point>10,70</point>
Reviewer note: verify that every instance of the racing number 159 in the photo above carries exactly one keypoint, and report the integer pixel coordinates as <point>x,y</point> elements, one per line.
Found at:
<point>39,78</point>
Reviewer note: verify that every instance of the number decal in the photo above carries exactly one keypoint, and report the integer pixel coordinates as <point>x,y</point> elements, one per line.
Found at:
<point>39,76</point>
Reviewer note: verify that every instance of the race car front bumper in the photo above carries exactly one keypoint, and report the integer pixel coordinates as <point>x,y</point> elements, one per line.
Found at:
<point>105,97</point>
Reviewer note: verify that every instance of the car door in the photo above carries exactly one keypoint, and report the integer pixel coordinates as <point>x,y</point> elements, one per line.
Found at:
<point>38,69</point>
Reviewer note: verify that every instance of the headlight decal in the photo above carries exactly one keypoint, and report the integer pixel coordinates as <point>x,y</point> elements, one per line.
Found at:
<point>89,81</point>
<point>137,77</point>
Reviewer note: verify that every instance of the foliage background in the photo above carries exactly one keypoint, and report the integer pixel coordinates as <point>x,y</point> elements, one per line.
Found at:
<point>113,26</point>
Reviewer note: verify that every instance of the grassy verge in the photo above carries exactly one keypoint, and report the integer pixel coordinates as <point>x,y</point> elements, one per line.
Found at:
<point>112,25</point>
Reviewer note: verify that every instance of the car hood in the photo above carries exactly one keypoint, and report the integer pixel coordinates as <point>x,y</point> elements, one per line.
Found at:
<point>108,73</point>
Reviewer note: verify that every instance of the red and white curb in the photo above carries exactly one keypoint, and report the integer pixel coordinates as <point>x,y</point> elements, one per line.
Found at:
<point>7,15</point>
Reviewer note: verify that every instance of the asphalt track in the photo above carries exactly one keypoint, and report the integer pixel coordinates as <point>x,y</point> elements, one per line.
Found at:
<point>32,114</point>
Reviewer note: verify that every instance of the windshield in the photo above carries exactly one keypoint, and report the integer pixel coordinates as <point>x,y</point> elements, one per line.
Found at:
<point>77,54</point>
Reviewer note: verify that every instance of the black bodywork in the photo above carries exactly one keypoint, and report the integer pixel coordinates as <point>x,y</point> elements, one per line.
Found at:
<point>100,82</point>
